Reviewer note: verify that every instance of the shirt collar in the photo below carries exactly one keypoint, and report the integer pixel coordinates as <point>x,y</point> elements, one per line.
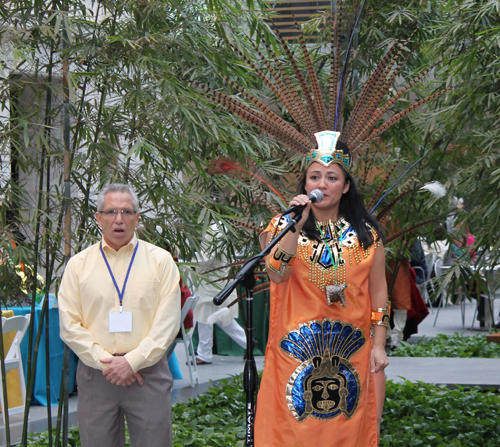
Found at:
<point>130,246</point>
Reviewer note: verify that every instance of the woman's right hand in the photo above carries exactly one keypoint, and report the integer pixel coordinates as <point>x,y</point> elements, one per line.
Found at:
<point>301,200</point>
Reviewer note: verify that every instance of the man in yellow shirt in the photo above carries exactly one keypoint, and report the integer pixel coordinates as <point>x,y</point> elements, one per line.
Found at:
<point>120,308</point>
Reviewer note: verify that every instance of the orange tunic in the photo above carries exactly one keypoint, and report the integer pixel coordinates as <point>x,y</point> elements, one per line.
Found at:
<point>317,388</point>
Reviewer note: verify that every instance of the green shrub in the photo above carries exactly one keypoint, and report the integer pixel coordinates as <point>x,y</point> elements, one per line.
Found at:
<point>456,345</point>
<point>417,414</point>
<point>414,415</point>
<point>217,418</point>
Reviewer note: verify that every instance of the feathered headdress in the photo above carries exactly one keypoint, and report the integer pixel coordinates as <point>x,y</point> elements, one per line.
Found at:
<point>315,119</point>
<point>312,123</point>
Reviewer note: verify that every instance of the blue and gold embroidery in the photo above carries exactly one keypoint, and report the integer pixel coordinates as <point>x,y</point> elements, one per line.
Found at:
<point>323,271</point>
<point>325,384</point>
<point>340,236</point>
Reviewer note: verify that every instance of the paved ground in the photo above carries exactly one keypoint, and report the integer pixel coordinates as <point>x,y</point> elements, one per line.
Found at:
<point>449,320</point>
<point>465,372</point>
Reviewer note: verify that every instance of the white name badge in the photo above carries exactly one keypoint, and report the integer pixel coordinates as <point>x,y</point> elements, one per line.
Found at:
<point>120,322</point>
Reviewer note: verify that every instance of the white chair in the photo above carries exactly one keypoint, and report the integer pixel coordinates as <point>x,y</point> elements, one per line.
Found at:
<point>187,339</point>
<point>13,360</point>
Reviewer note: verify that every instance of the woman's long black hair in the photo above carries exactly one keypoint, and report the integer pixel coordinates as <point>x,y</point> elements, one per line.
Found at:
<point>351,208</point>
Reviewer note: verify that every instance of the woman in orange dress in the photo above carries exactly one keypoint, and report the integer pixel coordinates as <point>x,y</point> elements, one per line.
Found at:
<point>328,295</point>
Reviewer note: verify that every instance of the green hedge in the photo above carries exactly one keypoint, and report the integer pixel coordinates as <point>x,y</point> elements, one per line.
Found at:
<point>435,416</point>
<point>457,345</point>
<point>414,415</point>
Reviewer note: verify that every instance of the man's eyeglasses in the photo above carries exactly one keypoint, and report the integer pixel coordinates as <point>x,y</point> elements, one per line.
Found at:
<point>112,213</point>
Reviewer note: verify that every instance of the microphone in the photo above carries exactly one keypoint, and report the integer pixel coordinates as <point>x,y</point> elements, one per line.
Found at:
<point>316,196</point>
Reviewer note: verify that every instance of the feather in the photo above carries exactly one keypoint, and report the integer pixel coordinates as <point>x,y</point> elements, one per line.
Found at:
<point>245,225</point>
<point>388,208</point>
<point>313,79</point>
<point>371,86</point>
<point>224,166</point>
<point>370,122</point>
<point>435,188</point>
<point>382,185</point>
<point>256,118</point>
<point>295,100</point>
<point>397,235</point>
<point>397,181</point>
<point>271,208</point>
<point>376,87</point>
<point>336,26</point>
<point>370,112</point>
<point>367,169</point>
<point>343,79</point>
<point>402,193</point>
<point>273,117</point>
<point>401,115</point>
<point>282,95</point>
<point>302,82</point>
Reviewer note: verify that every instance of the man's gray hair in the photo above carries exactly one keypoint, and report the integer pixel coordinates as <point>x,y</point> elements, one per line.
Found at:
<point>116,187</point>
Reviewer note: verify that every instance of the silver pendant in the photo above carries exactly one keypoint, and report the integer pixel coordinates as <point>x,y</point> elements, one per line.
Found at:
<point>335,293</point>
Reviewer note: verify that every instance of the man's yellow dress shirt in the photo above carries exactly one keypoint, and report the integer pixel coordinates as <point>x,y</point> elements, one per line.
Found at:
<point>87,296</point>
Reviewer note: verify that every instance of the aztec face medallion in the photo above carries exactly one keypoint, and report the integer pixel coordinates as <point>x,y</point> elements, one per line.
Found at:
<point>325,384</point>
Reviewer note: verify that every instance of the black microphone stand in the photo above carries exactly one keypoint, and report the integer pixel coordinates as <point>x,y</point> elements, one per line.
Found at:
<point>247,278</point>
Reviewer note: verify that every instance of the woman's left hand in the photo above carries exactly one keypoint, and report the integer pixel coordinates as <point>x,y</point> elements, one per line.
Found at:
<point>379,360</point>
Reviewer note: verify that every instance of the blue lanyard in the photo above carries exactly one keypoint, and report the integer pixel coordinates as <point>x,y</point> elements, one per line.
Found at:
<point>120,294</point>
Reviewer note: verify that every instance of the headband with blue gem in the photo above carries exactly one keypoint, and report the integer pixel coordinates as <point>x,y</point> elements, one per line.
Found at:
<point>326,153</point>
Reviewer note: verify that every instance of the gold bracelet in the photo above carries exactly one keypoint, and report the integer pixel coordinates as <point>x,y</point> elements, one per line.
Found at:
<point>280,261</point>
<point>282,254</point>
<point>381,316</point>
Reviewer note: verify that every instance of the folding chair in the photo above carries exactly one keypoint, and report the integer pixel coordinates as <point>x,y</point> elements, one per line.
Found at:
<point>187,339</point>
<point>439,269</point>
<point>13,360</point>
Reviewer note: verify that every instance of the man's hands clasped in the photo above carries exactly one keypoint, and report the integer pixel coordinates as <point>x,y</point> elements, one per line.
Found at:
<point>119,372</point>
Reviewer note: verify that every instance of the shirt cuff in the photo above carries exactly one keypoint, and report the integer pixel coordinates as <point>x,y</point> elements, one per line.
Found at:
<point>105,355</point>
<point>135,359</point>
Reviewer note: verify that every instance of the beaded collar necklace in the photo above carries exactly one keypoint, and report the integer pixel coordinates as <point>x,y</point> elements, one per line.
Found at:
<point>334,292</point>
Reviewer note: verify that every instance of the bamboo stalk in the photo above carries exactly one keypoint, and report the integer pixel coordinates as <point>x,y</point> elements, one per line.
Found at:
<point>31,362</point>
<point>32,368</point>
<point>67,208</point>
<point>60,408</point>
<point>47,325</point>
<point>48,284</point>
<point>63,409</point>
<point>4,388</point>
<point>48,274</point>
<point>29,388</point>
